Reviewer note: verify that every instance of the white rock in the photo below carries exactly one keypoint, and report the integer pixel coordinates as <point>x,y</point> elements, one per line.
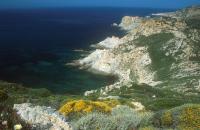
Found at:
<point>41,117</point>
<point>109,97</point>
<point>130,22</point>
<point>138,106</point>
<point>110,42</point>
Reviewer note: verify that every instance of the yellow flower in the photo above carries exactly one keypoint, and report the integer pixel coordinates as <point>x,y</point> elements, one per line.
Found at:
<point>80,105</point>
<point>88,109</point>
<point>190,117</point>
<point>167,119</point>
<point>86,106</point>
<point>18,127</point>
<point>66,109</point>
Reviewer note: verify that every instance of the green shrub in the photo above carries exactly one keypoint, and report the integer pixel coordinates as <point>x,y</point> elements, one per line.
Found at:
<point>94,121</point>
<point>160,62</point>
<point>182,117</point>
<point>12,93</point>
<point>41,92</point>
<point>121,118</point>
<point>148,128</point>
<point>3,96</point>
<point>125,118</point>
<point>194,22</point>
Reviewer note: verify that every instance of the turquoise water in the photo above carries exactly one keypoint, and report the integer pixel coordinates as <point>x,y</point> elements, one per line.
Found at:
<point>59,78</point>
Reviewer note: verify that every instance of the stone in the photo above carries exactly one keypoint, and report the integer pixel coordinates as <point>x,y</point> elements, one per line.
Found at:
<point>41,117</point>
<point>109,43</point>
<point>4,123</point>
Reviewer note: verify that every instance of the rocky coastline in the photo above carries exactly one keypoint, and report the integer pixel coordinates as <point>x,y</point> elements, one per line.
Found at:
<point>158,68</point>
<point>131,59</point>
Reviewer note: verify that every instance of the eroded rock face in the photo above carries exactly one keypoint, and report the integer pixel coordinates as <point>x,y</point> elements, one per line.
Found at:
<point>109,43</point>
<point>163,52</point>
<point>41,117</point>
<point>130,22</point>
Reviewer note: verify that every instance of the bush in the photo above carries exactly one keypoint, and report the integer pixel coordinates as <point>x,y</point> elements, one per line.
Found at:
<point>3,96</point>
<point>148,128</point>
<point>11,93</point>
<point>94,121</point>
<point>167,119</point>
<point>125,118</point>
<point>121,118</point>
<point>189,116</point>
<point>182,117</point>
<point>84,106</point>
<point>160,62</point>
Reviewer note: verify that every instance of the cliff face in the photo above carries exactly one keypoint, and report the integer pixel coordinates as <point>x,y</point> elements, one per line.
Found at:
<point>162,52</point>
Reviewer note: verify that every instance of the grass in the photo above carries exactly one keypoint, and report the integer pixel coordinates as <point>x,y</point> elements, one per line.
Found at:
<point>154,43</point>
<point>11,93</point>
<point>165,98</point>
<point>3,96</point>
<point>193,22</point>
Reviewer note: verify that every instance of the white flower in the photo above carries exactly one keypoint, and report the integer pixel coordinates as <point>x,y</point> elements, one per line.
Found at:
<point>4,122</point>
<point>154,96</point>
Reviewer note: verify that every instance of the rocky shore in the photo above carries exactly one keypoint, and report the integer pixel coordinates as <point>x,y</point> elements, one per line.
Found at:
<point>157,51</point>
<point>158,67</point>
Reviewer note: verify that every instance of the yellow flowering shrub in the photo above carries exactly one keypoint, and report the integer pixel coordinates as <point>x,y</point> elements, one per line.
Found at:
<point>84,106</point>
<point>167,119</point>
<point>190,117</point>
<point>185,117</point>
<point>148,128</point>
<point>186,128</point>
<point>112,103</point>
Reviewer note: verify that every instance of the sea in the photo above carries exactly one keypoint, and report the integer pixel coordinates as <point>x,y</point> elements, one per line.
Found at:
<point>36,44</point>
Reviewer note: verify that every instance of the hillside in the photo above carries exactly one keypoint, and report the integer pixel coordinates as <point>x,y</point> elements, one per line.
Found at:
<point>161,51</point>
<point>157,63</point>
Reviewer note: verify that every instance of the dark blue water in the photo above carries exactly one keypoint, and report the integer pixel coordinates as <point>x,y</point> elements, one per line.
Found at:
<point>36,44</point>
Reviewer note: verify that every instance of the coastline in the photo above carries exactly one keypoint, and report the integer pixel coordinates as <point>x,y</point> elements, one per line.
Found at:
<point>131,63</point>
<point>157,70</point>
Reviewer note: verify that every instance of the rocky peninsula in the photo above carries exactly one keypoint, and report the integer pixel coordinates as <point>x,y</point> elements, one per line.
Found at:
<point>160,51</point>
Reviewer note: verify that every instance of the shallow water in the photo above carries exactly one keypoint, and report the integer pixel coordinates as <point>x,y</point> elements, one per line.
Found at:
<point>36,44</point>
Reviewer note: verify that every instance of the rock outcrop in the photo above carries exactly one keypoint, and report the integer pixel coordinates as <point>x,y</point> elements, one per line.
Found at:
<point>161,51</point>
<point>110,42</point>
<point>41,117</point>
<point>129,22</point>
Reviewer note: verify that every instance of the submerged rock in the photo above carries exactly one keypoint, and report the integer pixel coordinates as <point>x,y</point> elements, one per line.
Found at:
<point>41,117</point>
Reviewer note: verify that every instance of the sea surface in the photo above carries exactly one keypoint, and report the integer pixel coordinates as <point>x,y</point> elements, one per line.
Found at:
<point>36,44</point>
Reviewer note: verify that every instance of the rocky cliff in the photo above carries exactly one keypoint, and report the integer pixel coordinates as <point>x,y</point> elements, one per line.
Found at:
<point>161,51</point>
<point>158,67</point>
